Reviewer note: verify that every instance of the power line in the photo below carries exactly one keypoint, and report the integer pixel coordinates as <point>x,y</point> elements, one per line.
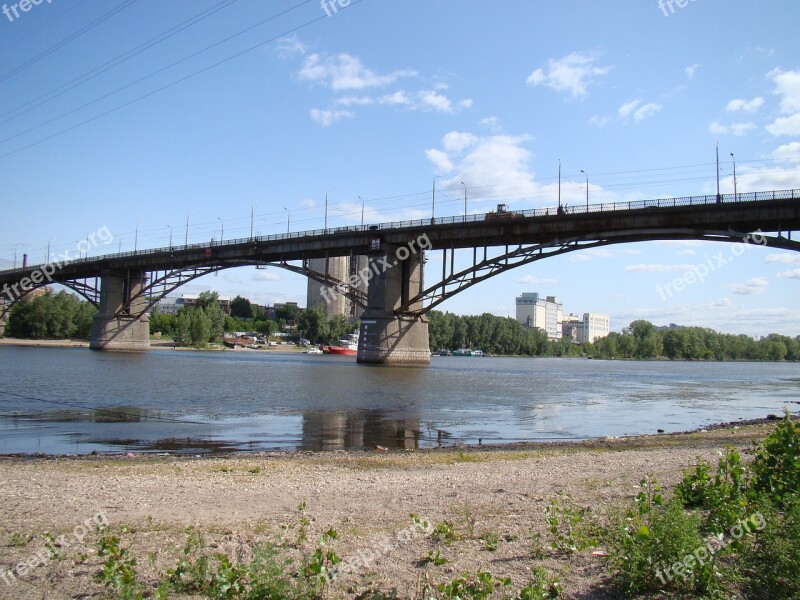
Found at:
<point>73,5</point>
<point>108,65</point>
<point>161,70</point>
<point>67,40</point>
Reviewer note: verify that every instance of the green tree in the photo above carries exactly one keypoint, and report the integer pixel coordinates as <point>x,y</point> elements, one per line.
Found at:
<point>241,308</point>
<point>313,324</point>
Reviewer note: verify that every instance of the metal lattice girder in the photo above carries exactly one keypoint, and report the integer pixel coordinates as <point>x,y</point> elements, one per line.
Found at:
<point>356,295</point>
<point>88,288</point>
<point>523,255</point>
<point>162,283</point>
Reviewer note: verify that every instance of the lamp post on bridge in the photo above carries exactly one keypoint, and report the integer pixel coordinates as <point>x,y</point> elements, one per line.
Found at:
<point>288,219</point>
<point>221,230</point>
<point>362,210</point>
<point>735,193</point>
<point>48,249</point>
<point>465,200</point>
<point>433,201</point>
<point>325,225</point>
<point>136,237</point>
<point>587,189</point>
<point>170,236</point>
<point>719,198</point>
<point>17,247</point>
<point>186,239</point>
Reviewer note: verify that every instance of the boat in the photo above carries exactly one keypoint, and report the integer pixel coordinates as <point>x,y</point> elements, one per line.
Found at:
<point>313,350</point>
<point>347,347</point>
<point>467,352</point>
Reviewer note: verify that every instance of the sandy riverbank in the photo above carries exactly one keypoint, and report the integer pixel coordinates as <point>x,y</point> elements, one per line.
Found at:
<point>241,500</point>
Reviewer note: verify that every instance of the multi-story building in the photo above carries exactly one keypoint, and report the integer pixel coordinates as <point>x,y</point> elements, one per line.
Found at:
<point>594,327</point>
<point>341,268</point>
<point>171,306</point>
<point>547,314</point>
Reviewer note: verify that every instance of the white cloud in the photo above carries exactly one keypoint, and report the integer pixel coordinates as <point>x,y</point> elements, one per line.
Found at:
<point>397,98</point>
<point>466,103</point>
<point>572,74</point>
<point>648,110</point>
<point>628,108</point>
<point>355,101</point>
<point>657,268</point>
<point>434,100</point>
<point>457,141</point>
<point>783,259</point>
<point>440,159</point>
<point>536,280</point>
<point>290,46</point>
<point>745,105</point>
<point>638,110</point>
<point>737,129</point>
<point>751,287</point>
<point>262,275</point>
<point>599,121</point>
<point>785,126</point>
<point>787,85</point>
<point>790,274</point>
<point>788,152</point>
<point>329,117</point>
<point>691,70</point>
<point>490,123</point>
<point>346,72</point>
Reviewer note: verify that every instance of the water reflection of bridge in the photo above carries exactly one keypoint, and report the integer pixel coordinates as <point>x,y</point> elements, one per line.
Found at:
<point>353,430</point>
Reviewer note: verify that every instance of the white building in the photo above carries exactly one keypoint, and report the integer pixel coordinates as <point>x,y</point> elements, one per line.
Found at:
<point>590,327</point>
<point>547,313</point>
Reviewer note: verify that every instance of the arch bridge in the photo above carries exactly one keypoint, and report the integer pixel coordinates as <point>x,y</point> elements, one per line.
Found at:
<point>392,287</point>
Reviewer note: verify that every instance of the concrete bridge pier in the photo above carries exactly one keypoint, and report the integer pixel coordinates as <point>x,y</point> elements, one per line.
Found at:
<point>387,337</point>
<point>121,326</point>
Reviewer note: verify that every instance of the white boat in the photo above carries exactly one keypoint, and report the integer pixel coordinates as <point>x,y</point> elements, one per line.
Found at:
<point>313,350</point>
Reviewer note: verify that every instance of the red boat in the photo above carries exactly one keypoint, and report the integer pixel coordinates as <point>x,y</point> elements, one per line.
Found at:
<point>347,347</point>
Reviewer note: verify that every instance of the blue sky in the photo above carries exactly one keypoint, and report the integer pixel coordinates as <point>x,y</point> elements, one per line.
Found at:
<point>264,106</point>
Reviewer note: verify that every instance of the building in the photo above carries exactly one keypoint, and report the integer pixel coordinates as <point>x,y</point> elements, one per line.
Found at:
<point>171,306</point>
<point>590,327</point>
<point>340,268</point>
<point>547,314</point>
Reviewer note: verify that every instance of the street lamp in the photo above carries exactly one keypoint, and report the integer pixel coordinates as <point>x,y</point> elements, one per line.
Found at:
<point>222,229</point>
<point>734,176</point>
<point>325,228</point>
<point>136,237</point>
<point>587,189</point>
<point>252,217</point>
<point>288,219</point>
<point>465,200</point>
<point>433,200</point>
<point>186,240</point>
<point>170,236</point>
<point>15,254</point>
<point>48,249</point>
<point>719,198</point>
<point>362,210</point>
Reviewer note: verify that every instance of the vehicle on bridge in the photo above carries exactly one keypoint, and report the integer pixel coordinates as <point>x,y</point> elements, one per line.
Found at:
<point>502,212</point>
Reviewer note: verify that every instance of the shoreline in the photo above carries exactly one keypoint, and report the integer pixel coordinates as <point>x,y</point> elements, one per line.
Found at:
<point>644,440</point>
<point>240,501</point>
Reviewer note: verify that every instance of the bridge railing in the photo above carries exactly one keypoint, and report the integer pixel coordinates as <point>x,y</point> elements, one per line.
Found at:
<point>576,209</point>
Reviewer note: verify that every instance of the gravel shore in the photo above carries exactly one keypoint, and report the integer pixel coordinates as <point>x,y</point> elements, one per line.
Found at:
<point>240,500</point>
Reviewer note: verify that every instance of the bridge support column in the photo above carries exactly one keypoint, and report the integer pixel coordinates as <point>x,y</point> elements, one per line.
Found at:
<point>121,326</point>
<point>386,337</point>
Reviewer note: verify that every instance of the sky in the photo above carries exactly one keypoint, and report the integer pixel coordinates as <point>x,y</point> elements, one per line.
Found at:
<point>140,116</point>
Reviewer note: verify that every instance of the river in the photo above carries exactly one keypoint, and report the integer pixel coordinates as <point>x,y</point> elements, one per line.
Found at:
<point>75,401</point>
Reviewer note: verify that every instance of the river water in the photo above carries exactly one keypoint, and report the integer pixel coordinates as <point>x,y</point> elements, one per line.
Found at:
<point>73,400</point>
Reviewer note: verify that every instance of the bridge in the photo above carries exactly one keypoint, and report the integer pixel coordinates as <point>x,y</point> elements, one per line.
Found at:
<point>393,288</point>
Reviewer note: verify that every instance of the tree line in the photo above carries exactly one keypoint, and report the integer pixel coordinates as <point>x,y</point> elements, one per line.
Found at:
<point>641,340</point>
<point>64,316</point>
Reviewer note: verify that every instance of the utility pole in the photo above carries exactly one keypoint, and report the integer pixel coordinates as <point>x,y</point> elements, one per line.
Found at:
<point>465,200</point>
<point>719,198</point>
<point>734,177</point>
